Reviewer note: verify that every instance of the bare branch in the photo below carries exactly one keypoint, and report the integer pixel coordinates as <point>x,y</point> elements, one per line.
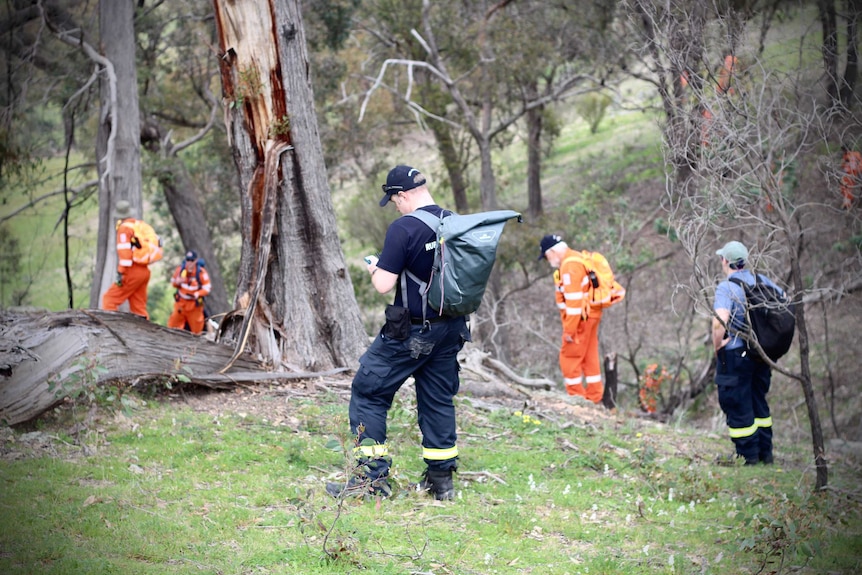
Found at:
<point>75,192</point>
<point>394,61</point>
<point>176,149</point>
<point>69,37</point>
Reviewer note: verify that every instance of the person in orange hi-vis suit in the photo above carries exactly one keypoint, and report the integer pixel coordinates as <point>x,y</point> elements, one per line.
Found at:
<point>851,165</point>
<point>193,285</point>
<point>579,352</point>
<point>132,277</point>
<point>726,74</point>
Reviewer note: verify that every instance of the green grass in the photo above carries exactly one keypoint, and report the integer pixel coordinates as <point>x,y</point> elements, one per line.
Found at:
<point>39,234</point>
<point>170,490</point>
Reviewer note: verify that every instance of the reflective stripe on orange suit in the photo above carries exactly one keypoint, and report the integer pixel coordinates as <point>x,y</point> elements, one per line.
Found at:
<point>135,276</point>
<point>189,290</point>
<point>579,359</point>
<point>185,279</point>
<point>125,234</point>
<point>134,289</point>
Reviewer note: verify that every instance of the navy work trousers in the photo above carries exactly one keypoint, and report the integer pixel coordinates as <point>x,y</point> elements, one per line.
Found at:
<point>742,387</point>
<point>430,355</point>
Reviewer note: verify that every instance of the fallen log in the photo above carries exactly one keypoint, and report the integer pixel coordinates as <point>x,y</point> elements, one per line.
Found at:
<point>48,356</point>
<point>44,356</point>
<point>476,360</point>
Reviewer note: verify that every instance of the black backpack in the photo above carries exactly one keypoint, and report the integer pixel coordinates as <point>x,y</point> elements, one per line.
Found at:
<point>771,317</point>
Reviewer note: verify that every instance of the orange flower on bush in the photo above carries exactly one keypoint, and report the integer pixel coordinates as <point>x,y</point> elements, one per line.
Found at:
<point>650,386</point>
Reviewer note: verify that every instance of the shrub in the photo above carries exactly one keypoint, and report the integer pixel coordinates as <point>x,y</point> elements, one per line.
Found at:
<point>592,107</point>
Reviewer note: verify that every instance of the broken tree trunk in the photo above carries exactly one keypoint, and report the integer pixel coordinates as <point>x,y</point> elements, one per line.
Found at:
<point>294,292</point>
<point>44,356</point>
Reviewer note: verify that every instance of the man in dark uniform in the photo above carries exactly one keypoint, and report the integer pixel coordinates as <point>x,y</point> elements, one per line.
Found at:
<point>407,346</point>
<point>742,380</point>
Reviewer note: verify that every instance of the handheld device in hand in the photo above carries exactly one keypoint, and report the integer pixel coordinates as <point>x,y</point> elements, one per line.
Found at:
<point>370,259</point>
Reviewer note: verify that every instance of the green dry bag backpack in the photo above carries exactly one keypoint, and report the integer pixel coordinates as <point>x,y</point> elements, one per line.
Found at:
<point>463,260</point>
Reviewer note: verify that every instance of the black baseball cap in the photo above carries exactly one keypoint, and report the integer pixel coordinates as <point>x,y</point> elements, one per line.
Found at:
<point>400,179</point>
<point>547,243</point>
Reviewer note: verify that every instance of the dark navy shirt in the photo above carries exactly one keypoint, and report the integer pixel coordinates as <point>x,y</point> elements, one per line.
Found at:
<point>410,245</point>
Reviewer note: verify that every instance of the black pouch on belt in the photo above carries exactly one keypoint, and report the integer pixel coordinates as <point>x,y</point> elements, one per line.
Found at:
<point>397,322</point>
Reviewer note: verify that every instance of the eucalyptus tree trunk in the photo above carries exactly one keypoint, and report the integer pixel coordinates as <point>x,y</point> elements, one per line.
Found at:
<point>294,295</point>
<point>453,163</point>
<point>829,26</point>
<point>50,356</point>
<point>534,155</point>
<point>118,149</point>
<point>851,70</point>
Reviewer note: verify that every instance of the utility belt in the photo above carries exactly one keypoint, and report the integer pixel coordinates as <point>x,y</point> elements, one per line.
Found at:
<point>398,322</point>
<point>439,318</point>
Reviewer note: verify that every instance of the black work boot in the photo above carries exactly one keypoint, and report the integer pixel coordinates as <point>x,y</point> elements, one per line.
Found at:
<point>360,487</point>
<point>438,483</point>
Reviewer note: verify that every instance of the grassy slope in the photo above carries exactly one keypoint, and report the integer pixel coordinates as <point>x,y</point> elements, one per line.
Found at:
<point>40,241</point>
<point>179,490</point>
<point>174,491</point>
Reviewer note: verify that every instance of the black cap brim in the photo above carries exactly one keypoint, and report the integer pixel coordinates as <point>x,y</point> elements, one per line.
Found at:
<point>385,200</point>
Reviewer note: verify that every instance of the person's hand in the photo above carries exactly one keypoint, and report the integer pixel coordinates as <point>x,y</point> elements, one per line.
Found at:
<point>372,263</point>
<point>199,301</point>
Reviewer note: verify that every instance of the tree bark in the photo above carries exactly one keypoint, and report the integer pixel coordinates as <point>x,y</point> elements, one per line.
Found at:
<point>685,39</point>
<point>294,293</point>
<point>534,156</point>
<point>828,23</point>
<point>45,357</point>
<point>851,71</point>
<point>118,140</point>
<point>452,163</point>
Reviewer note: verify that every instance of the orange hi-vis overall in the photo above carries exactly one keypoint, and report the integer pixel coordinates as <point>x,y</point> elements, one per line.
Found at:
<point>193,284</point>
<point>852,168</point>
<point>579,358</point>
<point>726,74</point>
<point>135,276</point>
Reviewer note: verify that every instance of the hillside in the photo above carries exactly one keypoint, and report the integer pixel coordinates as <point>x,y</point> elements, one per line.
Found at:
<point>603,191</point>
<point>233,482</point>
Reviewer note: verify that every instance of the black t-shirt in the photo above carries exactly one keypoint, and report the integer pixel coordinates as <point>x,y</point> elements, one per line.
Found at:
<point>410,245</point>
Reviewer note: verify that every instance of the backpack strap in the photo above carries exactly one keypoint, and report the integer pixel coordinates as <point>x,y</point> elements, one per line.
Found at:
<point>427,218</point>
<point>579,257</point>
<point>197,272</point>
<point>423,290</point>
<point>758,280</point>
<point>743,285</point>
<point>432,222</point>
